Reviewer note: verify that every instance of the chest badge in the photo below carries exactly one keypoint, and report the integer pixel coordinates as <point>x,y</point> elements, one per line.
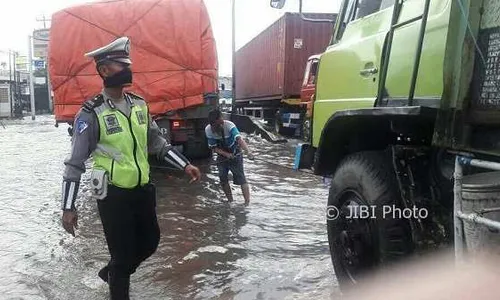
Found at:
<point>112,124</point>
<point>140,117</point>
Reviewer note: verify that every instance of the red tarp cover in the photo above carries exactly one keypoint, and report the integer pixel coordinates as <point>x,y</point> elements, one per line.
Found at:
<point>173,52</point>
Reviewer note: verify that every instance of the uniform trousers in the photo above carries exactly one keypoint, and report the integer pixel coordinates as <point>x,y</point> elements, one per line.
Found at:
<point>132,233</point>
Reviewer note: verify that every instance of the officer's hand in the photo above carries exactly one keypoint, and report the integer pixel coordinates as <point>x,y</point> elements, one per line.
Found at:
<point>70,221</point>
<point>194,172</point>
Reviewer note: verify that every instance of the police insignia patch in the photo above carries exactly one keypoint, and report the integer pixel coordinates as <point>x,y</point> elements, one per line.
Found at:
<point>81,126</point>
<point>140,117</point>
<point>112,125</point>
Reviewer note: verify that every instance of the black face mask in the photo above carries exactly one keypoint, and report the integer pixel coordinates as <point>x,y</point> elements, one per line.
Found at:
<point>119,79</point>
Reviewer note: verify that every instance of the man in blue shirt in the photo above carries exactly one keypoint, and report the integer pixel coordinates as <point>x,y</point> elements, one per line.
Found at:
<point>224,139</point>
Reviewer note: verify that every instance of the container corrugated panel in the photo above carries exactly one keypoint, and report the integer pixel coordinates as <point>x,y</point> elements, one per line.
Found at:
<point>271,66</point>
<point>5,105</point>
<point>303,39</point>
<point>259,64</point>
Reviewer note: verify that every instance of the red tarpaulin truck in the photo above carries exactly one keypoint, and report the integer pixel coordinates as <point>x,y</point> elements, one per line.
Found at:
<point>174,62</point>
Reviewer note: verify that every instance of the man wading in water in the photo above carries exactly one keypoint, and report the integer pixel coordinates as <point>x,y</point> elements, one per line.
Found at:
<point>224,139</point>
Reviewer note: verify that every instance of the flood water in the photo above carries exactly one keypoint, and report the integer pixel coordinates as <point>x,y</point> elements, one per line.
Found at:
<point>276,248</point>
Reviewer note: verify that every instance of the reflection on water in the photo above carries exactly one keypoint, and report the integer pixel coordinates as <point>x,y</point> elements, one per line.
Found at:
<point>276,248</point>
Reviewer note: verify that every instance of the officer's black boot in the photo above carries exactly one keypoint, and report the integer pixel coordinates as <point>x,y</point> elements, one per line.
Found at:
<point>119,287</point>
<point>104,273</point>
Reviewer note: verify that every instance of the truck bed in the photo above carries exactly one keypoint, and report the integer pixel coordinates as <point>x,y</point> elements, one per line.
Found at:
<point>172,49</point>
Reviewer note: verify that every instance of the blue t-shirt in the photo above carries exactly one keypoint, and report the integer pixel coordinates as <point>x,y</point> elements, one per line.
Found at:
<point>228,142</point>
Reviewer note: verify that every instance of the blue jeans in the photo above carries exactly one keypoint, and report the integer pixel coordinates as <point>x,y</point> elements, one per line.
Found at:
<point>234,165</point>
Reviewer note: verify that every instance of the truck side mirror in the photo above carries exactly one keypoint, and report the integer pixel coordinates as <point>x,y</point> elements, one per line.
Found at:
<point>278,4</point>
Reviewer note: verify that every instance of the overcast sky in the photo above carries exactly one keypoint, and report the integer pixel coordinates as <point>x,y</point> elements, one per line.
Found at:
<point>252,16</point>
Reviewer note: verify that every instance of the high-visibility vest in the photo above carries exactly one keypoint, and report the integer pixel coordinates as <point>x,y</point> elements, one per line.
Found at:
<point>122,149</point>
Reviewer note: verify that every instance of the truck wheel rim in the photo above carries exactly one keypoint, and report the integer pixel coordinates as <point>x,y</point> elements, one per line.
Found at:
<point>357,251</point>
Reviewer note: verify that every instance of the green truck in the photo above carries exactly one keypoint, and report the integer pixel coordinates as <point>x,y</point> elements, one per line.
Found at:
<point>404,89</point>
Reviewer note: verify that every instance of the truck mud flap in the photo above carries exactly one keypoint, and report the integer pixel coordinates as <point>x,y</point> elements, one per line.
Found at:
<point>304,157</point>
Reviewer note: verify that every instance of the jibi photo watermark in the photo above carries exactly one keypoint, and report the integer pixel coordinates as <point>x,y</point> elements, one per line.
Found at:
<point>375,212</point>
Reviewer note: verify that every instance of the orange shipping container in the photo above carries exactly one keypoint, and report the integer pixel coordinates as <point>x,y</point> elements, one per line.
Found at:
<point>172,49</point>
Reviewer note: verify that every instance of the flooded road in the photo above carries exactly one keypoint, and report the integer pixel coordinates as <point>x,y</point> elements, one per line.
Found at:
<point>276,248</point>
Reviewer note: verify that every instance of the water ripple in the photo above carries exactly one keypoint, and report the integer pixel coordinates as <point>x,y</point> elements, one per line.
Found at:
<point>274,249</point>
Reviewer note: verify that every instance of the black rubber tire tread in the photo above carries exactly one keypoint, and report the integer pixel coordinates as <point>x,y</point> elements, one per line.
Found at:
<point>371,175</point>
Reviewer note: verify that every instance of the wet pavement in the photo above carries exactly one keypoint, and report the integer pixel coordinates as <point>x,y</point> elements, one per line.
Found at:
<point>276,248</point>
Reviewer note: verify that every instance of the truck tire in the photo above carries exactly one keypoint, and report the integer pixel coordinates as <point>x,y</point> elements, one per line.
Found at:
<point>361,245</point>
<point>306,130</point>
<point>278,126</point>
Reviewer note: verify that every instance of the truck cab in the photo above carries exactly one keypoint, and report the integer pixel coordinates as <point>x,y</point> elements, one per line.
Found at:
<point>360,51</point>
<point>307,94</point>
<point>310,76</point>
<point>379,85</point>
<point>403,89</point>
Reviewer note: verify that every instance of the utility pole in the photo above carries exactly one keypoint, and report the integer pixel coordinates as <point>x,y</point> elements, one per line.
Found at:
<point>31,78</point>
<point>10,85</point>
<point>43,19</point>
<point>16,82</point>
<point>233,86</point>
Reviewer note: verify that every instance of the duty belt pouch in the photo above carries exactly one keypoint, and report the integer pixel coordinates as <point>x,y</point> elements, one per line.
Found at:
<point>99,184</point>
<point>151,189</point>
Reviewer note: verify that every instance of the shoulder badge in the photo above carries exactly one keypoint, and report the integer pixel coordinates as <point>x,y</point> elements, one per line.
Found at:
<point>81,125</point>
<point>89,105</point>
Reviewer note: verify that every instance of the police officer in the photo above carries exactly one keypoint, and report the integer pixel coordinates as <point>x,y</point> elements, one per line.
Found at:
<point>116,129</point>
